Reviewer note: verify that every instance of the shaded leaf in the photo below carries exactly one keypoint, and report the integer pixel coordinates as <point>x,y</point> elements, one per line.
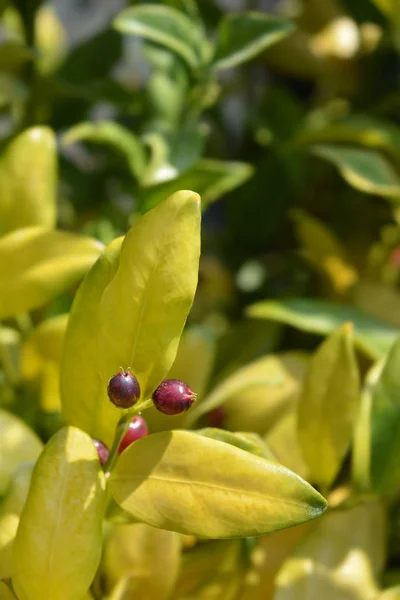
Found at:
<point>146,559</point>
<point>366,170</point>
<point>241,36</point>
<point>172,479</point>
<point>210,178</point>
<point>324,250</point>
<point>372,336</point>
<point>37,264</point>
<point>165,26</point>
<point>328,406</point>
<point>114,135</point>
<point>342,557</point>
<point>28,178</point>
<point>63,513</point>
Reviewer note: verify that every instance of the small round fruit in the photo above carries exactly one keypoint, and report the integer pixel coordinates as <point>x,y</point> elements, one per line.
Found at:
<point>173,397</point>
<point>102,451</point>
<point>123,389</point>
<point>136,430</point>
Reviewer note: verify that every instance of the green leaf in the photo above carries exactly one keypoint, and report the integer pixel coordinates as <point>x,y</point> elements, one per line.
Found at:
<point>342,557</point>
<point>13,54</point>
<point>283,440</point>
<point>267,373</point>
<point>37,264</point>
<point>58,545</point>
<point>371,335</point>
<point>28,179</point>
<point>138,303</point>
<point>241,36</point>
<point>173,479</point>
<point>210,178</point>
<point>142,561</point>
<point>165,26</point>
<point>114,135</point>
<point>392,593</point>
<point>248,441</point>
<point>366,170</point>
<point>385,425</point>
<point>19,444</point>
<point>328,406</point>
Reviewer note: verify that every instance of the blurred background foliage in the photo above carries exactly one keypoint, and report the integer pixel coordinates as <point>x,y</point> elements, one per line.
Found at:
<point>287,122</point>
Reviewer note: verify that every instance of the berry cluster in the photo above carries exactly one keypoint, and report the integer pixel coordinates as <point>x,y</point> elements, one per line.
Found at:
<point>172,397</point>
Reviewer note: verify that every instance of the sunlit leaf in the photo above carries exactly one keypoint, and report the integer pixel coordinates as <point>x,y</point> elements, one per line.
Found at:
<point>19,444</point>
<point>28,177</point>
<point>172,479</point>
<point>328,406</point>
<point>36,264</point>
<point>137,299</point>
<point>58,545</point>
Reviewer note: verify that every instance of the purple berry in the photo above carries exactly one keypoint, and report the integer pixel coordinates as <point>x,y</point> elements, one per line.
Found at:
<point>102,451</point>
<point>136,430</point>
<point>173,397</point>
<point>123,389</point>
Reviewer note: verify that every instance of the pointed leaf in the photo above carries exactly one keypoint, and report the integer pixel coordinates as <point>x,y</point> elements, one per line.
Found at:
<point>137,299</point>
<point>19,444</point>
<point>328,406</point>
<point>173,479</point>
<point>36,265</point>
<point>114,135</point>
<point>372,336</point>
<point>165,26</point>
<point>145,558</point>
<point>366,170</point>
<point>58,545</point>
<point>241,36</point>
<point>28,178</point>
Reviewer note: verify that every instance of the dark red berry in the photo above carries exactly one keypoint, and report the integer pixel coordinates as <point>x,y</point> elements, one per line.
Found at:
<point>173,397</point>
<point>102,451</point>
<point>123,389</point>
<point>136,430</point>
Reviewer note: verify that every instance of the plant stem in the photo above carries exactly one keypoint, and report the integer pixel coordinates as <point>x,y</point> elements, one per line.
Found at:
<point>120,431</point>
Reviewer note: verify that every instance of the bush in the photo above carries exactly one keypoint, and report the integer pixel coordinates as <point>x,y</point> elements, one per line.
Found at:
<point>173,425</point>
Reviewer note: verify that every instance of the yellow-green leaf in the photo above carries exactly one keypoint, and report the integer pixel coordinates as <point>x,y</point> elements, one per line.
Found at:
<point>136,298</point>
<point>328,406</point>
<point>284,443</point>
<point>341,558</point>
<point>36,264</point>
<point>28,177</point>
<point>88,406</point>
<point>324,250</point>
<point>246,440</point>
<point>269,374</point>
<point>392,593</point>
<point>58,545</point>
<point>145,558</point>
<point>173,479</point>
<point>366,170</point>
<point>10,512</point>
<point>371,335</point>
<point>19,444</point>
<point>145,305</point>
